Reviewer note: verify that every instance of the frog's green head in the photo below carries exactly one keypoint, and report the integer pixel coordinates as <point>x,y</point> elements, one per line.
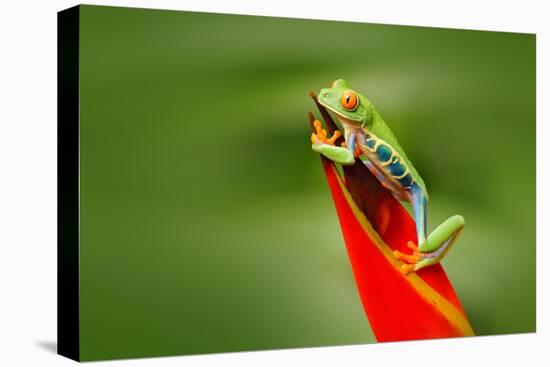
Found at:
<point>348,105</point>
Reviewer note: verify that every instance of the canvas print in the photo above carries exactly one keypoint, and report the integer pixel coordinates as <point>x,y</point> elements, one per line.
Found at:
<point>235,183</point>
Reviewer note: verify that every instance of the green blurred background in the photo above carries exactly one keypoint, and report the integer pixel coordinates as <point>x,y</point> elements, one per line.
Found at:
<point>206,221</point>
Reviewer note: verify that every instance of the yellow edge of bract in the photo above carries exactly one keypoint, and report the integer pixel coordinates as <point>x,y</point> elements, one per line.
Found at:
<point>451,313</point>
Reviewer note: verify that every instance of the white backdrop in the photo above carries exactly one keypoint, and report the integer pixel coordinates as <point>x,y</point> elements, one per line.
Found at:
<point>28,182</point>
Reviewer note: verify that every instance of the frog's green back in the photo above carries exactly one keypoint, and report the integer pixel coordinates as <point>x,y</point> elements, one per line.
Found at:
<point>379,128</point>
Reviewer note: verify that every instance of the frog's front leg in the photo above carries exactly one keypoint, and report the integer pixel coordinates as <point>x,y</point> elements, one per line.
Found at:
<point>429,250</point>
<point>324,145</point>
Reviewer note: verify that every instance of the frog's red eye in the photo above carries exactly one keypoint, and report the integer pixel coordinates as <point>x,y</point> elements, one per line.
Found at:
<point>349,100</point>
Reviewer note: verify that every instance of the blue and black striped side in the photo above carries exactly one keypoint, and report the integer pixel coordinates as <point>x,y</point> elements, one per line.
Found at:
<point>389,159</point>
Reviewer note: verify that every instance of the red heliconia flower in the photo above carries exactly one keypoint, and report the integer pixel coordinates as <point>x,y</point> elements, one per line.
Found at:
<point>419,305</point>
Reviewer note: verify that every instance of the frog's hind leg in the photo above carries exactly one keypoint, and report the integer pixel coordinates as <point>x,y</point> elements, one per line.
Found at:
<point>420,209</point>
<point>419,206</point>
<point>432,249</point>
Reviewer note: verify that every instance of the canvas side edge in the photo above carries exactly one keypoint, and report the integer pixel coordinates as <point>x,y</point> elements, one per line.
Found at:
<point>68,215</point>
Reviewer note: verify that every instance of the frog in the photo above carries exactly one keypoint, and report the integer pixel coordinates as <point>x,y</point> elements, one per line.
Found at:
<point>369,140</point>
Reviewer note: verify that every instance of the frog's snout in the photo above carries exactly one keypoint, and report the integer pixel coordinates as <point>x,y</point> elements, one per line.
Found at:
<point>323,92</point>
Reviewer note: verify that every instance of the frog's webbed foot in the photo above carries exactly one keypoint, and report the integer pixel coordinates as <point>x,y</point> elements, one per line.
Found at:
<point>409,260</point>
<point>321,143</point>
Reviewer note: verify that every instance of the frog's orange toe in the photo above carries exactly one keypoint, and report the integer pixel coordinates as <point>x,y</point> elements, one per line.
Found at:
<point>412,246</point>
<point>411,259</point>
<point>335,136</point>
<point>407,268</point>
<point>313,138</point>
<point>318,126</point>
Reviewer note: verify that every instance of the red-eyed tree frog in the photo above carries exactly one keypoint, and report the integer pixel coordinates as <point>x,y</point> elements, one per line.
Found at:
<point>367,136</point>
